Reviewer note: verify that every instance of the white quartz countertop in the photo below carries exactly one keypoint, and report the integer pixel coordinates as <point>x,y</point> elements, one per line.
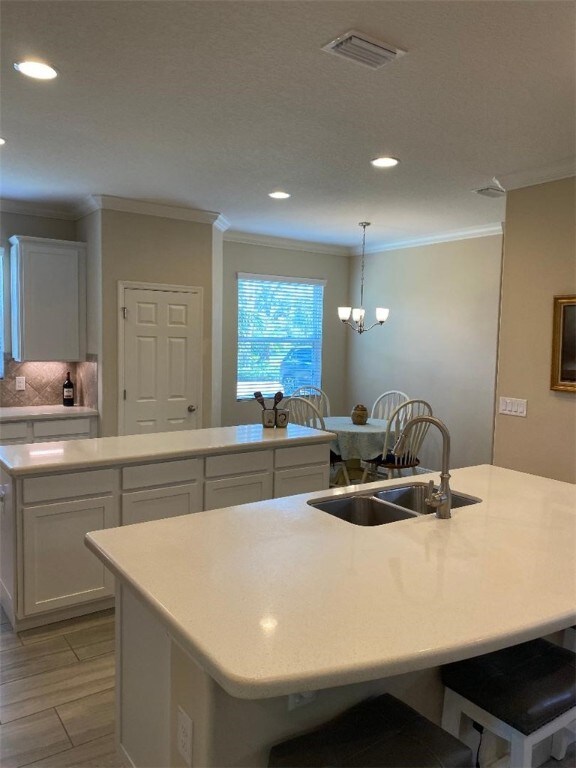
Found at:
<point>278,597</point>
<point>38,412</point>
<point>33,459</point>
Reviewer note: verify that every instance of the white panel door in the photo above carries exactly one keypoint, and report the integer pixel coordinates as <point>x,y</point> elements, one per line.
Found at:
<point>162,360</point>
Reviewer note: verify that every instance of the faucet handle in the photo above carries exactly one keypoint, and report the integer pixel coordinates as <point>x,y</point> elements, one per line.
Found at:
<point>434,498</point>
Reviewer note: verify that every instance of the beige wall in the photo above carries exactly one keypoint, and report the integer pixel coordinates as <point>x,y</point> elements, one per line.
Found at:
<point>539,263</point>
<point>439,343</point>
<point>155,250</point>
<point>263,259</point>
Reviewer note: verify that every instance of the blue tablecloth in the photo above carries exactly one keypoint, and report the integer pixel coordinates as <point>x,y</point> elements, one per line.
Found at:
<point>356,441</point>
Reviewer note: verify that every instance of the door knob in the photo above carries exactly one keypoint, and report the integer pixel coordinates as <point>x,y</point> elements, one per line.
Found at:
<point>191,408</point>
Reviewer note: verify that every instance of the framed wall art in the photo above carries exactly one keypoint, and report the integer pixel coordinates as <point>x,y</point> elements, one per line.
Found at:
<point>563,376</point>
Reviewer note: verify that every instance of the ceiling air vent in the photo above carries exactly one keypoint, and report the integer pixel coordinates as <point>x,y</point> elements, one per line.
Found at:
<point>363,49</point>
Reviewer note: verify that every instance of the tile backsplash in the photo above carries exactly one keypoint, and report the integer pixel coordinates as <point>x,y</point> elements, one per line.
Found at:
<point>44,383</point>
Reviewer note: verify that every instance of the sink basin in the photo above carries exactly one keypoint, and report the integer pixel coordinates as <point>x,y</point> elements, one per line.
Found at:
<point>386,506</point>
<point>413,497</point>
<point>363,510</point>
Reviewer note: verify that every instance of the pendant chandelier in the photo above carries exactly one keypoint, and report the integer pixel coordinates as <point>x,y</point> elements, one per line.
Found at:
<point>354,316</point>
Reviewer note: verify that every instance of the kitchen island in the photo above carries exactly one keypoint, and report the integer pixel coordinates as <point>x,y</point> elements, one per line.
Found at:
<point>53,493</point>
<point>245,609</point>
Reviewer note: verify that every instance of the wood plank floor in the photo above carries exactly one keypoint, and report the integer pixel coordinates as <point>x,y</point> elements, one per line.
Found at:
<point>57,694</point>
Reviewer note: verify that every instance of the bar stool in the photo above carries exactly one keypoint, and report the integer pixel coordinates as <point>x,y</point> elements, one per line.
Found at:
<point>382,732</point>
<point>523,694</point>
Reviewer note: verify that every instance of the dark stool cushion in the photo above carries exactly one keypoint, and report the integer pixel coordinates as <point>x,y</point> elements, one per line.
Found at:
<point>526,686</point>
<point>382,732</point>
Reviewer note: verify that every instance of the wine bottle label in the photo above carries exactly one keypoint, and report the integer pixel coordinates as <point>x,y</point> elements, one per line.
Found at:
<point>68,392</point>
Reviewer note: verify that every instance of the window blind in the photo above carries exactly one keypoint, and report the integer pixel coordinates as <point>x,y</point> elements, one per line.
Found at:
<point>279,334</point>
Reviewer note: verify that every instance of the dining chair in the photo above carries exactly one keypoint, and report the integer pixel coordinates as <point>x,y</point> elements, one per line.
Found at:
<point>385,405</point>
<point>396,423</point>
<point>305,413</point>
<point>316,396</point>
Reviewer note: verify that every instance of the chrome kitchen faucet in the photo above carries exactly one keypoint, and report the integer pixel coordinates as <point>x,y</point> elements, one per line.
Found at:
<point>440,500</point>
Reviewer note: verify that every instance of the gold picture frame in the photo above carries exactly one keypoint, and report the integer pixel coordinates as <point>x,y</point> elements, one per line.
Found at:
<point>563,377</point>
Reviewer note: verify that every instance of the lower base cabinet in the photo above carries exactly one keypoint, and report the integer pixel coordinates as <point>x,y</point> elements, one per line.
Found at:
<point>57,510</point>
<point>143,506</point>
<point>230,491</point>
<point>58,569</point>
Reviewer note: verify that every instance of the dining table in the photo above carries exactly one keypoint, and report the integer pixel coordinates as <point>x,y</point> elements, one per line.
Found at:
<point>356,441</point>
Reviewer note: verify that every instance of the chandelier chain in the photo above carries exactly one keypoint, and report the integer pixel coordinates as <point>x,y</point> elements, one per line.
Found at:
<point>363,224</point>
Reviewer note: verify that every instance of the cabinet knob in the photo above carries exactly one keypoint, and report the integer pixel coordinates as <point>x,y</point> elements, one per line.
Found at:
<point>191,408</point>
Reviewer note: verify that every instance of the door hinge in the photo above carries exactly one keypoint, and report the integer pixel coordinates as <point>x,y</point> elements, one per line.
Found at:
<point>124,394</point>
<point>124,312</point>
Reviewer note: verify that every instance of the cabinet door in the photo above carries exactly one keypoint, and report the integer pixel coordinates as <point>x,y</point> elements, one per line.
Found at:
<point>48,289</point>
<point>288,482</point>
<point>58,568</point>
<point>142,506</point>
<point>237,490</point>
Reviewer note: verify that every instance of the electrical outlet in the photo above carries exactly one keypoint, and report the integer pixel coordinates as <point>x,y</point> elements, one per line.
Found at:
<point>184,736</point>
<point>296,700</point>
<point>20,383</point>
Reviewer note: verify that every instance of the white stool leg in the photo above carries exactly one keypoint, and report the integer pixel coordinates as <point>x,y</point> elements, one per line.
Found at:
<point>560,742</point>
<point>451,713</point>
<point>520,751</point>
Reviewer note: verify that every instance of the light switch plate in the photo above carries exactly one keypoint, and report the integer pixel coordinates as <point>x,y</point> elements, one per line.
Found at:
<point>20,383</point>
<point>513,406</point>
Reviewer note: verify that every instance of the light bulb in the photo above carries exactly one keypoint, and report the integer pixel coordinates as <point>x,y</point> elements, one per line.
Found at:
<point>344,313</point>
<point>358,314</point>
<point>36,69</point>
<point>382,314</point>
<point>384,162</point>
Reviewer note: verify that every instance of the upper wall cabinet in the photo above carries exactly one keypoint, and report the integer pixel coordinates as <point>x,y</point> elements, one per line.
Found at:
<point>48,292</point>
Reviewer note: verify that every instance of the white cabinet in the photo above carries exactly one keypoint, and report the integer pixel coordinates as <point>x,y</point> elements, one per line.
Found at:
<point>178,491</point>
<point>238,478</point>
<point>301,470</point>
<point>48,293</point>
<point>43,430</point>
<point>59,570</point>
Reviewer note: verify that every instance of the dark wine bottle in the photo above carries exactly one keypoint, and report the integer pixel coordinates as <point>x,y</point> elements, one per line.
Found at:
<point>68,391</point>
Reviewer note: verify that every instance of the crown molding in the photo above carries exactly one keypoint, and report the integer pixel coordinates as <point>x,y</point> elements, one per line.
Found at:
<point>145,208</point>
<point>442,237</point>
<point>251,238</point>
<point>531,177</point>
<point>47,211</point>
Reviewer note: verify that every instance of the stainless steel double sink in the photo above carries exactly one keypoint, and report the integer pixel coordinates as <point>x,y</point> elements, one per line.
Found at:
<point>386,506</point>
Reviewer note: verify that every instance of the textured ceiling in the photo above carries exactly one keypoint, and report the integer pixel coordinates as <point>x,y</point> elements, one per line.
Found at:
<point>212,105</point>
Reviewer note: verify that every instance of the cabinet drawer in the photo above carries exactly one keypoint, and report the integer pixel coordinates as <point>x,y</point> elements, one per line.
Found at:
<point>238,463</point>
<point>61,427</point>
<point>166,473</point>
<point>302,455</point>
<point>13,430</point>
<point>70,485</point>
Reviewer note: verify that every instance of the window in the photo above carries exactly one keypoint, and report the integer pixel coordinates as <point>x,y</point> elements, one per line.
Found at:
<point>279,334</point>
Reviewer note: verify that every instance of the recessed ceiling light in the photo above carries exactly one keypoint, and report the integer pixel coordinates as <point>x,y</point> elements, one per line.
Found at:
<point>36,69</point>
<point>2,141</point>
<point>384,162</point>
<point>279,195</point>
